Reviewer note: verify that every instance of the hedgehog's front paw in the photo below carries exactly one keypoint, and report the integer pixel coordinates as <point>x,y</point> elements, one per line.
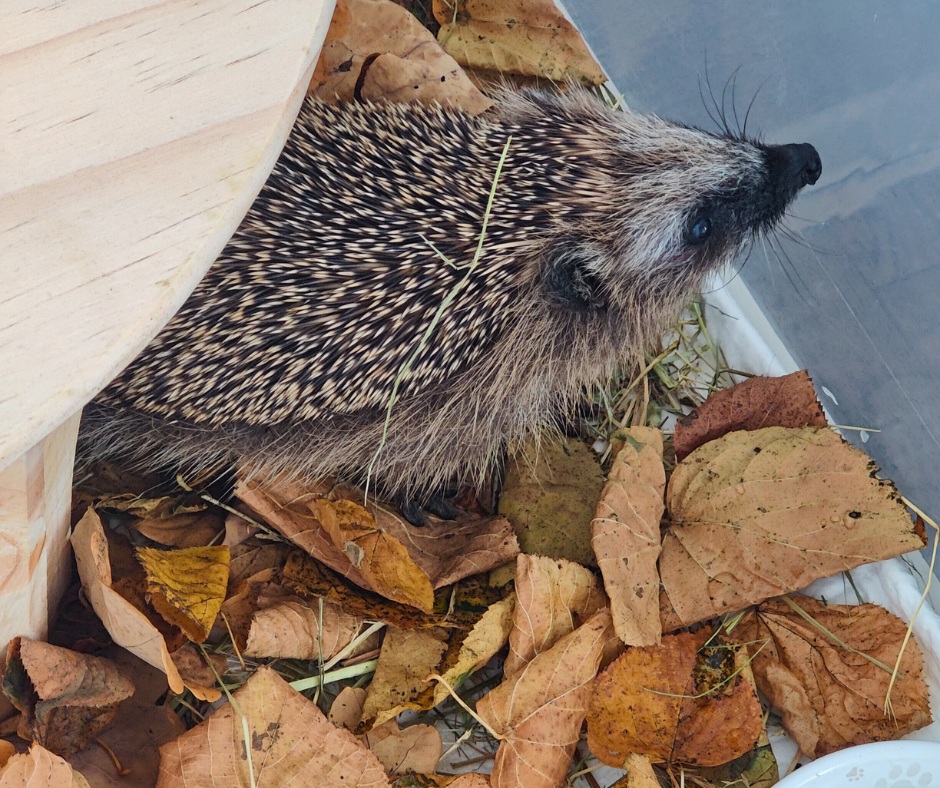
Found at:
<point>415,510</point>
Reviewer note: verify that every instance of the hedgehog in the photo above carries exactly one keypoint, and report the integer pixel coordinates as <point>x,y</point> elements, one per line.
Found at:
<point>350,330</point>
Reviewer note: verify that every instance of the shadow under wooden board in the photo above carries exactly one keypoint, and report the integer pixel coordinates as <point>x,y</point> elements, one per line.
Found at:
<point>134,135</point>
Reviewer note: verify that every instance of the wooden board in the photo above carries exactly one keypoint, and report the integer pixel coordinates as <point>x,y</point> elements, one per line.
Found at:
<point>134,135</point>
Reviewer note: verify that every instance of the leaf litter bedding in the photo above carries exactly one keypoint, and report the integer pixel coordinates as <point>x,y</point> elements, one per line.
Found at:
<point>620,612</point>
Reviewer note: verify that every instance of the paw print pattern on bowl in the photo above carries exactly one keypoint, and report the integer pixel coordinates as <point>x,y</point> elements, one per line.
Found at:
<point>899,764</point>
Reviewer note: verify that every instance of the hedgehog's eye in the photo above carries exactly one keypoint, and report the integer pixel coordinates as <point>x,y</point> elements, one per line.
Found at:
<point>700,230</point>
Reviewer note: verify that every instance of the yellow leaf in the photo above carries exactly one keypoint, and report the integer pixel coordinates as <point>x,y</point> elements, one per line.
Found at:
<point>187,586</point>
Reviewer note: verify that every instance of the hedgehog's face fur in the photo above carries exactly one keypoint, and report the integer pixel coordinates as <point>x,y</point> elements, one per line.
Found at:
<point>665,204</point>
<point>331,309</point>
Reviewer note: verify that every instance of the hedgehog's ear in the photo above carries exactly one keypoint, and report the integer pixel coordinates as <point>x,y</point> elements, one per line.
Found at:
<point>569,277</point>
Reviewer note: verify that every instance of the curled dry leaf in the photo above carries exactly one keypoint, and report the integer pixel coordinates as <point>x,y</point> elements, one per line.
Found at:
<point>39,768</point>
<point>553,597</point>
<point>530,37</point>
<point>483,642</point>
<point>187,586</point>
<point>292,629</point>
<point>830,697</point>
<point>200,673</point>
<point>627,538</point>
<point>384,48</point>
<point>403,563</point>
<point>548,496</point>
<point>787,401</point>
<point>291,743</point>
<point>680,702</point>
<point>760,513</point>
<point>404,663</point>
<point>65,698</point>
<point>416,749</point>
<point>538,712</point>
<point>127,626</point>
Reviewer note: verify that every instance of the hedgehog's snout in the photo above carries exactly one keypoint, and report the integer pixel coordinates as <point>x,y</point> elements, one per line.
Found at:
<point>801,164</point>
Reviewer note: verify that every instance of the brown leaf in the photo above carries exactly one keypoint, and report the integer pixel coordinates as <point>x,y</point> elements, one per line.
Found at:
<point>187,586</point>
<point>392,56</point>
<point>346,709</point>
<point>183,530</point>
<point>828,696</point>
<point>40,768</point>
<point>679,702</point>
<point>125,623</point>
<point>554,597</point>
<point>356,542</point>
<point>788,401</point>
<point>288,628</point>
<point>197,673</point>
<point>538,712</point>
<point>483,642</point>
<point>65,698</point>
<point>290,740</point>
<point>142,724</point>
<point>399,683</point>
<point>760,513</point>
<point>416,749</point>
<point>531,37</point>
<point>627,536</point>
<point>448,550</point>
<point>549,498</point>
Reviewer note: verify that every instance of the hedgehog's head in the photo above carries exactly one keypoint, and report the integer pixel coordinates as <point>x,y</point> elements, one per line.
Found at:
<point>661,205</point>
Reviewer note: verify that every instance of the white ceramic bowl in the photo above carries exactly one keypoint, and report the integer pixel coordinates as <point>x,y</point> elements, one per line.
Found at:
<point>889,764</point>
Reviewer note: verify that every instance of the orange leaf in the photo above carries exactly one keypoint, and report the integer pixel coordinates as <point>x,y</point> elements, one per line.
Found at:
<point>668,702</point>
<point>788,401</point>
<point>830,697</point>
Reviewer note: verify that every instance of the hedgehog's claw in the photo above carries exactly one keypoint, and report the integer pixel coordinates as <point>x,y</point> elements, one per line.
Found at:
<point>415,510</point>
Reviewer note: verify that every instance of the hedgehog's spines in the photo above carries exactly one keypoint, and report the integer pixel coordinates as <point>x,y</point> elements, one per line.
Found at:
<point>286,353</point>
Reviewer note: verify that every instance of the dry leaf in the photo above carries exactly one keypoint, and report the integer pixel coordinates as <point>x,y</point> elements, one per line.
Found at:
<point>187,586</point>
<point>531,37</point>
<point>291,629</point>
<point>470,781</point>
<point>549,497</point>
<point>127,626</point>
<point>627,538</point>
<point>389,53</point>
<point>538,712</point>
<point>399,683</point>
<point>416,749</point>
<point>153,508</point>
<point>760,513</point>
<point>438,554</point>
<point>40,768</point>
<point>640,772</point>
<point>182,530</point>
<point>66,698</point>
<point>251,556</point>
<point>482,643</point>
<point>382,559</point>
<point>142,724</point>
<point>199,676</point>
<point>678,702</point>
<point>553,597</point>
<point>346,709</point>
<point>291,743</point>
<point>831,697</point>
<point>754,769</point>
<point>788,401</point>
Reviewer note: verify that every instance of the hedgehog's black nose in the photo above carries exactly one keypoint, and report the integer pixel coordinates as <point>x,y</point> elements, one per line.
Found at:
<point>801,163</point>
